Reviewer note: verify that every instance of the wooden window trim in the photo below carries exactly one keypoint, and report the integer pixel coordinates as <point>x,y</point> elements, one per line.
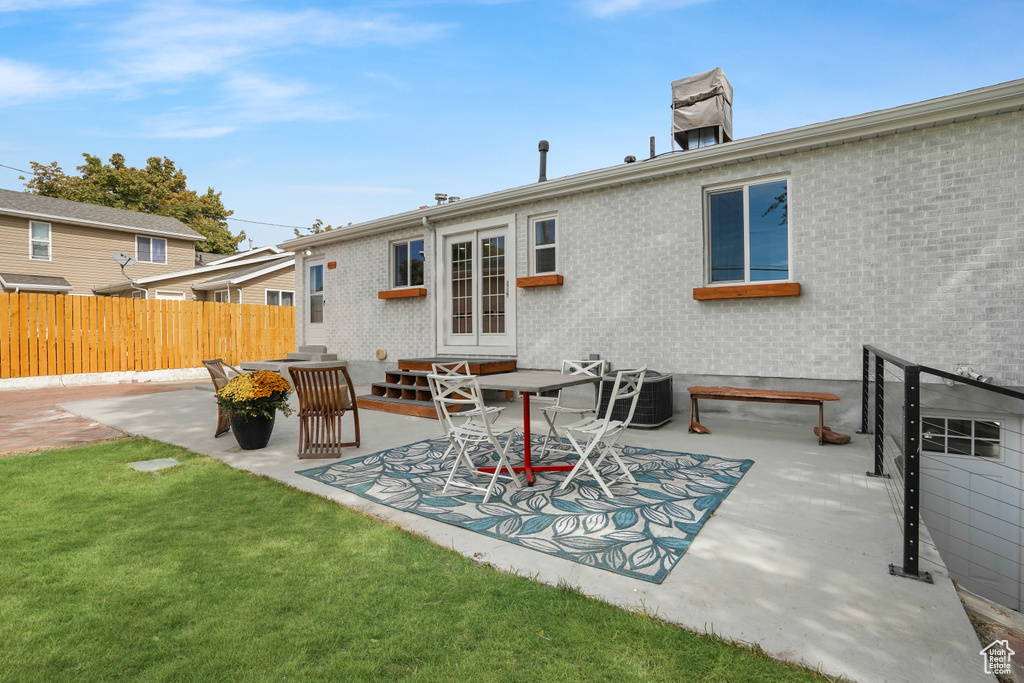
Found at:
<point>746,291</point>
<point>552,280</point>
<point>407,293</point>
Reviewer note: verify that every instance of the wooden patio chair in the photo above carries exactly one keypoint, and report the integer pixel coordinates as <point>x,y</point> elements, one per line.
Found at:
<point>219,374</point>
<point>325,395</point>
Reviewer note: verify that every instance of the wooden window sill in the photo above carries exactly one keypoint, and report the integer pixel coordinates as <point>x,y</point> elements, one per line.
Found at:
<point>540,281</point>
<point>746,291</point>
<point>402,293</point>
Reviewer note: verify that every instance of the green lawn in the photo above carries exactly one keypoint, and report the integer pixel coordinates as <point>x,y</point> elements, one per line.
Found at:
<point>206,573</point>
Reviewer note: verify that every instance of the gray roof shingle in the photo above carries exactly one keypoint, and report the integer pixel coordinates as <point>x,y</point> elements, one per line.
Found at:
<point>32,281</point>
<point>28,204</point>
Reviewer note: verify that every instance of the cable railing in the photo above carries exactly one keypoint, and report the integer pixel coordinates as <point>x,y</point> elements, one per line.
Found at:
<point>899,410</point>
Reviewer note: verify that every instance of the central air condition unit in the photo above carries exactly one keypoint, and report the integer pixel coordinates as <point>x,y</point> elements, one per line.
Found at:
<point>702,110</point>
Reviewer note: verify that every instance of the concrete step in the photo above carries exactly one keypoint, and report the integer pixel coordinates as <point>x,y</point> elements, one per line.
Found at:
<point>317,357</point>
<point>312,349</point>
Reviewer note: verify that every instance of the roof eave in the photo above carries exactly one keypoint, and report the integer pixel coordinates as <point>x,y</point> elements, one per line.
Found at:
<point>210,286</point>
<point>195,237</point>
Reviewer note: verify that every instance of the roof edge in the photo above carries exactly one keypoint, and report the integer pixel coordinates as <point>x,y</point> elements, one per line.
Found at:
<point>110,226</point>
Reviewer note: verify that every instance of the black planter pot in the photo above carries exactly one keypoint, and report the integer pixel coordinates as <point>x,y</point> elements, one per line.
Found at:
<point>252,433</point>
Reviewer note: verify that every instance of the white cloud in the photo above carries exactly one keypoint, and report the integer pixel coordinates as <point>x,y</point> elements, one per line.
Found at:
<point>608,8</point>
<point>179,45</point>
<point>21,82</point>
<point>175,41</point>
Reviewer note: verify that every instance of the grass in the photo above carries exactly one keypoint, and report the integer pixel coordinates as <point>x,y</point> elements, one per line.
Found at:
<point>206,573</point>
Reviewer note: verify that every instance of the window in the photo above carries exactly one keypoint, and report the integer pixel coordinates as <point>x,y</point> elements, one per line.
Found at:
<point>280,297</point>
<point>166,294</point>
<point>39,241</point>
<point>150,250</point>
<point>960,436</point>
<point>407,263</point>
<point>544,245</point>
<point>222,296</point>
<point>748,233</point>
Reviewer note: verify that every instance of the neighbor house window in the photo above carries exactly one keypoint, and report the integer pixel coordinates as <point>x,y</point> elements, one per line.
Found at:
<point>167,294</point>
<point>748,233</point>
<point>222,297</point>
<point>960,436</point>
<point>280,297</point>
<point>150,250</point>
<point>39,241</point>
<point>407,261</point>
<point>545,244</point>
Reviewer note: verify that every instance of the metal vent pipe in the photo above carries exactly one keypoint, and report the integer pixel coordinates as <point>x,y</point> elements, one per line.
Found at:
<point>543,148</point>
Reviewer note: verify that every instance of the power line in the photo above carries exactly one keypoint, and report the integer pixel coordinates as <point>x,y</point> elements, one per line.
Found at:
<point>141,202</point>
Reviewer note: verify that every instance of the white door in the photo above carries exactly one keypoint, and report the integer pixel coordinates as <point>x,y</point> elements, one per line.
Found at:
<point>316,334</point>
<point>971,500</point>
<point>476,272</point>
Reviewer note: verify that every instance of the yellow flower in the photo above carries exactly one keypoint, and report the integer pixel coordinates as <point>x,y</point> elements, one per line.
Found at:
<point>256,394</point>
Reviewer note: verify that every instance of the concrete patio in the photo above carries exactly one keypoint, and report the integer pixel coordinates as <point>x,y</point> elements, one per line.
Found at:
<point>795,560</point>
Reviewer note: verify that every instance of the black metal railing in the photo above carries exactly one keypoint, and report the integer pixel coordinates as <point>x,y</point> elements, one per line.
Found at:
<point>895,404</point>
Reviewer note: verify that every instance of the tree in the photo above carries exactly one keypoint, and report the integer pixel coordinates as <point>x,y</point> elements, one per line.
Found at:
<point>158,188</point>
<point>317,228</point>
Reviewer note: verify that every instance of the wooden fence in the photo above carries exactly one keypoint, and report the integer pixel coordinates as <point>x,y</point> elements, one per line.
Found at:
<point>54,334</point>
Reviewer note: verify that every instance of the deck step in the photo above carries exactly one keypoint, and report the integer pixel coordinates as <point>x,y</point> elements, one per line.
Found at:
<point>405,391</point>
<point>477,366</point>
<point>397,405</point>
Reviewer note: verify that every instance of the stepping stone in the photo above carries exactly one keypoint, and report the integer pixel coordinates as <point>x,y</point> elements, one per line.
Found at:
<point>153,465</point>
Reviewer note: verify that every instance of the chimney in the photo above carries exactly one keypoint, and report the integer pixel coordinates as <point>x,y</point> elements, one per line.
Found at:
<point>543,148</point>
<point>702,110</point>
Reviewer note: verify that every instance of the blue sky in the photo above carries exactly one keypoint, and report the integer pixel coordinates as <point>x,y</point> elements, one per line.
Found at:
<point>346,112</point>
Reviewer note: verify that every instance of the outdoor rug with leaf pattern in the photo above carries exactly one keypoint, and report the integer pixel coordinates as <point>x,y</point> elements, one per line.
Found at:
<point>641,532</point>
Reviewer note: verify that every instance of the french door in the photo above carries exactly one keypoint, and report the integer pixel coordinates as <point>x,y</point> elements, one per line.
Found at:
<point>476,271</point>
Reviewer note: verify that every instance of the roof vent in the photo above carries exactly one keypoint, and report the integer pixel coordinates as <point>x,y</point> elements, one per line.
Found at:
<point>440,197</point>
<point>702,110</point>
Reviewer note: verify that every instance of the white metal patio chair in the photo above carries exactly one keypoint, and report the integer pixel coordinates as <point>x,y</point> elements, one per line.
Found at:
<point>461,368</point>
<point>592,368</point>
<point>474,435</point>
<point>597,435</point>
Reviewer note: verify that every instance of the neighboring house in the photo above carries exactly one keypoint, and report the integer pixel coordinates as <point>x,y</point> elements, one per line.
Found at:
<point>56,245</point>
<point>264,275</point>
<point>763,262</point>
<point>59,246</point>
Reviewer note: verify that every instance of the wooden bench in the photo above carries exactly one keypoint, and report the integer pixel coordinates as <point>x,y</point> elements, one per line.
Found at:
<point>760,396</point>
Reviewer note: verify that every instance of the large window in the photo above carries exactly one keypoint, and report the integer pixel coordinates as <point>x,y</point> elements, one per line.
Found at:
<point>150,249</point>
<point>280,297</point>
<point>407,263</point>
<point>39,241</point>
<point>748,233</point>
<point>545,245</point>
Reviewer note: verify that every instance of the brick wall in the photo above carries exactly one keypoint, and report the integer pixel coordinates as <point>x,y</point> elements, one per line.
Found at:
<point>913,242</point>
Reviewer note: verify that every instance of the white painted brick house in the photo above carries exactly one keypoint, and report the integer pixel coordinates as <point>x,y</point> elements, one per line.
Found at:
<point>904,229</point>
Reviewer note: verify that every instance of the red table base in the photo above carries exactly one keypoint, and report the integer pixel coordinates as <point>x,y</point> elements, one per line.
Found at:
<point>527,467</point>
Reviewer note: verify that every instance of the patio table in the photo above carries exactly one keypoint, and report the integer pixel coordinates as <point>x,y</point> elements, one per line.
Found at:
<point>527,383</point>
